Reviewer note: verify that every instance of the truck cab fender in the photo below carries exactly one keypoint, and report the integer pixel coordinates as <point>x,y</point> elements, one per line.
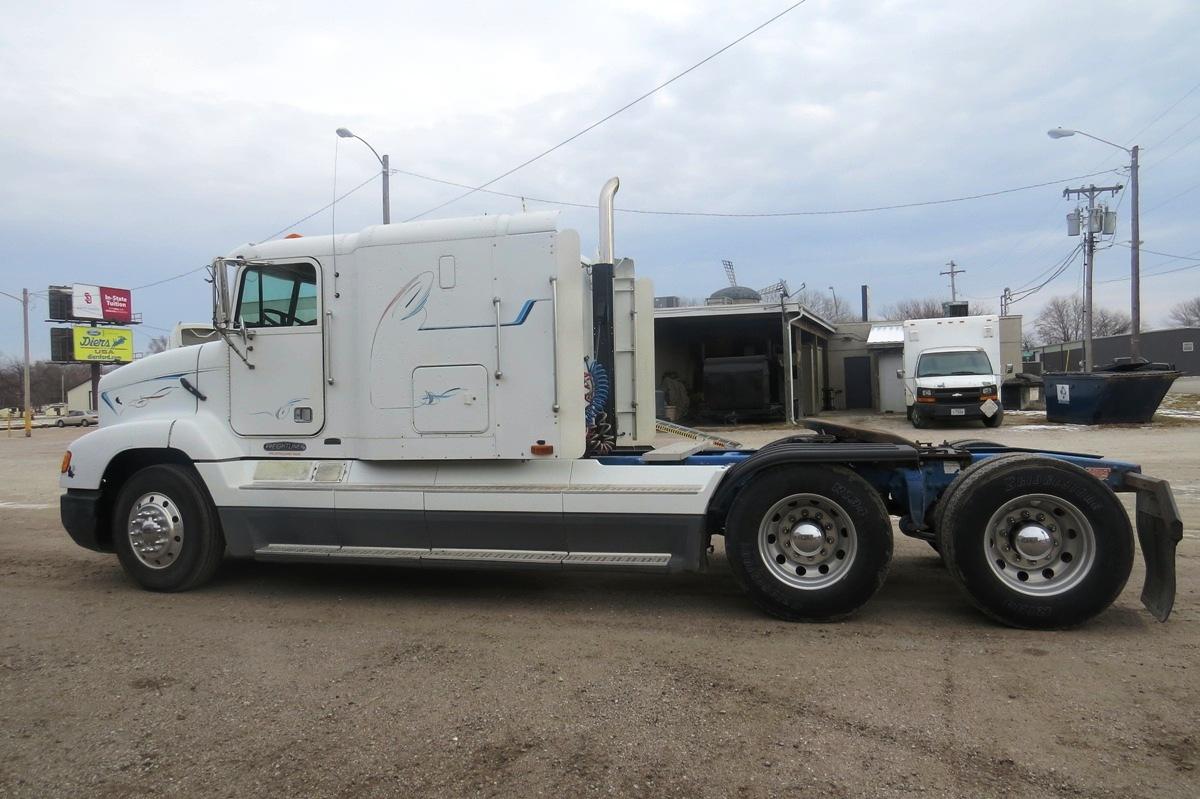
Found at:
<point>91,454</point>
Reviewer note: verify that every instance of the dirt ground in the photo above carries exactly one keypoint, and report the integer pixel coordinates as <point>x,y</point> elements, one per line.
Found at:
<point>326,681</point>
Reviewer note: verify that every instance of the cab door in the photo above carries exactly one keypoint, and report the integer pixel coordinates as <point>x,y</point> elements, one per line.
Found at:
<point>281,391</point>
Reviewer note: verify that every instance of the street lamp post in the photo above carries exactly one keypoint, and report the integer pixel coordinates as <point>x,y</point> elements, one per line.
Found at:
<point>1135,263</point>
<point>385,164</point>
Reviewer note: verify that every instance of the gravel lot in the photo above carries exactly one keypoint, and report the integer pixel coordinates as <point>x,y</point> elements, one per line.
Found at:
<point>285,680</point>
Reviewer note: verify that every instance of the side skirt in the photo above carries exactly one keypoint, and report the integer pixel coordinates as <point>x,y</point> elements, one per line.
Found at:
<point>637,541</point>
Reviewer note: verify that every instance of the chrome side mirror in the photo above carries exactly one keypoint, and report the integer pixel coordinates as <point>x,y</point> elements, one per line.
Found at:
<point>900,373</point>
<point>1008,369</point>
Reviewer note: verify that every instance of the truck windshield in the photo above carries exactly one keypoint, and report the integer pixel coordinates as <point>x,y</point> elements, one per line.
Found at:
<point>943,364</point>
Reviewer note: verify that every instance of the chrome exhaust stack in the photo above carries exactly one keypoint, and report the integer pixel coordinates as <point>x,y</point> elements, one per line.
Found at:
<point>606,219</point>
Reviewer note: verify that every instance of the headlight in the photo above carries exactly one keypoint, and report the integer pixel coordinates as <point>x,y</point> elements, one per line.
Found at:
<point>988,390</point>
<point>924,392</point>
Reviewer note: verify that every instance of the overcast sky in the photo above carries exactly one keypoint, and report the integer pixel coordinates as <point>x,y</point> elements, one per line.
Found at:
<point>145,138</point>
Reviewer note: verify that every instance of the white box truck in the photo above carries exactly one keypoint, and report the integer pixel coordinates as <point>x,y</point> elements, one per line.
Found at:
<point>952,370</point>
<point>472,393</point>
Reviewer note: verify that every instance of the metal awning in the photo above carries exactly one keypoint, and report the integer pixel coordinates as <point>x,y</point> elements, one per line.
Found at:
<point>886,336</point>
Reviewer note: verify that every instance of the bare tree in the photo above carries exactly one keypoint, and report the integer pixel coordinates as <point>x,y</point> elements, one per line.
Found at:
<point>1187,313</point>
<point>158,344</point>
<point>1110,323</point>
<point>1060,320</point>
<point>922,308</point>
<point>826,305</point>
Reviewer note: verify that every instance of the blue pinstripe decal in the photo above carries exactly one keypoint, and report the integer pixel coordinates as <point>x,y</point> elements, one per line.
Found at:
<point>520,318</point>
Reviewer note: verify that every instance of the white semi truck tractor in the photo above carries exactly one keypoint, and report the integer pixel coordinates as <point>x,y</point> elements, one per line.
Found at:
<point>472,393</point>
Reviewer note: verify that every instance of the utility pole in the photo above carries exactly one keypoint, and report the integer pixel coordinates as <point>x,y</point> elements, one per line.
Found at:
<point>1135,265</point>
<point>954,270</point>
<point>28,409</point>
<point>1089,256</point>
<point>24,300</point>
<point>1005,301</point>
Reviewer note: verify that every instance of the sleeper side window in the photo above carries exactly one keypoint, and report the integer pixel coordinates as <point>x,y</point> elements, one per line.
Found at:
<point>278,295</point>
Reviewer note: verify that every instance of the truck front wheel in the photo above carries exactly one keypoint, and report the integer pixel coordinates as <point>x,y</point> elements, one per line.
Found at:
<point>995,420</point>
<point>165,529</point>
<point>1036,542</point>
<point>809,543</point>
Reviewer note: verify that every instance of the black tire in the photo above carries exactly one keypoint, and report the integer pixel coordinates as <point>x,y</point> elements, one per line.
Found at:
<point>868,534</point>
<point>995,420</point>
<point>184,499</point>
<point>919,420</point>
<point>83,423</point>
<point>60,423</point>
<point>1088,584</point>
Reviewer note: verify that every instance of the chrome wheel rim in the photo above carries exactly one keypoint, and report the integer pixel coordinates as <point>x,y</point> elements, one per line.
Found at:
<point>155,530</point>
<point>807,541</point>
<point>1040,545</point>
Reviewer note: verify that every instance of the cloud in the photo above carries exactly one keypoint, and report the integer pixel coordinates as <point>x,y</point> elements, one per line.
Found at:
<point>147,138</point>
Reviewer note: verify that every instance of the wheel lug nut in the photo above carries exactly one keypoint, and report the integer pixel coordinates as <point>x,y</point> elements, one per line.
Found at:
<point>1024,514</point>
<point>1041,517</point>
<point>1010,520</point>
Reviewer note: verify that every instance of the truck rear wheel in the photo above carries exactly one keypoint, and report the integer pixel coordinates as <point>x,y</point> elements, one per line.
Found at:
<point>1036,542</point>
<point>165,529</point>
<point>809,543</point>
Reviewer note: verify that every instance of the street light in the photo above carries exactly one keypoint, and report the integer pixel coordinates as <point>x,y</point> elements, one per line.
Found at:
<point>1135,290</point>
<point>383,162</point>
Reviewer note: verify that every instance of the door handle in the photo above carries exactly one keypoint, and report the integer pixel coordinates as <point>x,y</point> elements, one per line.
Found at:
<point>554,340</point>
<point>326,340</point>
<point>496,306</point>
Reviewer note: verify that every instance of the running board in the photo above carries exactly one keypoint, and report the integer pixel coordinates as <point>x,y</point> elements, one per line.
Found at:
<point>623,560</point>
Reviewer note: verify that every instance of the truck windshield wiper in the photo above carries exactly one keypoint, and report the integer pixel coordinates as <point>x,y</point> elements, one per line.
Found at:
<point>964,373</point>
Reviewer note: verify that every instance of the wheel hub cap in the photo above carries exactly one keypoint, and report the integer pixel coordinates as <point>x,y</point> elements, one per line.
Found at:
<point>155,530</point>
<point>1033,541</point>
<point>807,539</point>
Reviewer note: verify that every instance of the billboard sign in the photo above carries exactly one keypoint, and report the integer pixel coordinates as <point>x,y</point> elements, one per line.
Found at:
<point>101,303</point>
<point>103,344</point>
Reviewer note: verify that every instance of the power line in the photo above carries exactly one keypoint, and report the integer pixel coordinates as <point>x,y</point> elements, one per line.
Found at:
<point>1169,109</point>
<point>1152,274</point>
<point>620,110</point>
<point>762,214</point>
<point>1163,254</point>
<point>325,207</point>
<point>1173,198</point>
<point>169,279</point>
<point>1174,152</point>
<point>1168,137</point>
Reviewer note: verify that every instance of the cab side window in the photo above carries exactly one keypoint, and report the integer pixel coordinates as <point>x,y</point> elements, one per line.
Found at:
<point>278,295</point>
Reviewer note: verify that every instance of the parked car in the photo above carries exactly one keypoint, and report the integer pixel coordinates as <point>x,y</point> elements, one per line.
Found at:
<point>77,419</point>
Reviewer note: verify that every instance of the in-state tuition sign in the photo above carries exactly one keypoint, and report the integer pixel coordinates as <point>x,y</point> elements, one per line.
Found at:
<point>101,303</point>
<point>107,344</point>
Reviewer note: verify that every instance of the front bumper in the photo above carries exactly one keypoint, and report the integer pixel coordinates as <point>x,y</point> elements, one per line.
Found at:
<point>80,512</point>
<point>951,410</point>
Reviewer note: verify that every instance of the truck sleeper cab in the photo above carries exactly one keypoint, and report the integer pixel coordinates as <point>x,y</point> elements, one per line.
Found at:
<point>471,393</point>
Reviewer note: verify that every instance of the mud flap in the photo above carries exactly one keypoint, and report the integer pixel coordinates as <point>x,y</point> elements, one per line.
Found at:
<point>1160,529</point>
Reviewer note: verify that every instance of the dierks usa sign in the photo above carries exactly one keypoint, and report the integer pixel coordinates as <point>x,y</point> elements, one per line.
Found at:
<point>101,302</point>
